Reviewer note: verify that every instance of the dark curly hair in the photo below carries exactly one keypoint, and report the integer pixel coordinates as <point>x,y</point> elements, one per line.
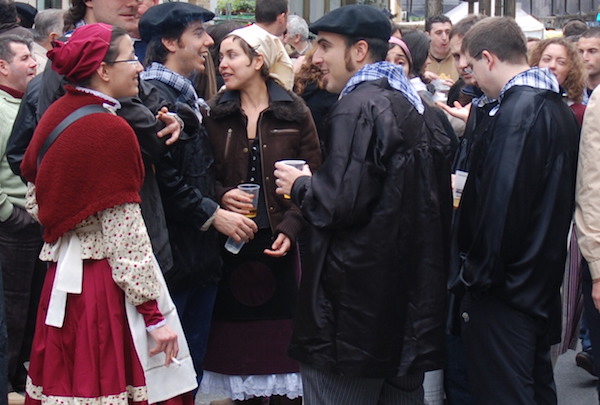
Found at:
<point>75,13</point>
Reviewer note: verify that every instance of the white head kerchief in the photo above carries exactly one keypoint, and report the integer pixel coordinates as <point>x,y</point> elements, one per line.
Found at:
<point>271,48</point>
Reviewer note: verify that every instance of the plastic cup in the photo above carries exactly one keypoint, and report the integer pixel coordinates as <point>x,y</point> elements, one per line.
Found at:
<point>295,163</point>
<point>231,245</point>
<point>253,189</point>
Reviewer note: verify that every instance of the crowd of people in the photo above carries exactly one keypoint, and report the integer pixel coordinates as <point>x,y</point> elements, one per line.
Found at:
<point>437,242</point>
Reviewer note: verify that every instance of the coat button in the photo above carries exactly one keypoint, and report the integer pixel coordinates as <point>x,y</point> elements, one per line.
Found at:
<point>265,146</point>
<point>267,178</point>
<point>245,150</point>
<point>465,316</point>
<point>271,208</point>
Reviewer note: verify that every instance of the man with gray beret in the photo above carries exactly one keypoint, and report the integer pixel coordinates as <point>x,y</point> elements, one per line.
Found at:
<point>370,317</point>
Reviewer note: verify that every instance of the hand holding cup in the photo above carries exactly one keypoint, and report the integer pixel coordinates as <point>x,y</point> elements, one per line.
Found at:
<point>286,172</point>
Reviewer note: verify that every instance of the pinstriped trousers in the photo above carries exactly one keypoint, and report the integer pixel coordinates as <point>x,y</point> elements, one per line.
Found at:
<point>330,389</point>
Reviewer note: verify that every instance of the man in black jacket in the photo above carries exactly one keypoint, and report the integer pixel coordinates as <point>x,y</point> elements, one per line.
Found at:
<point>370,317</point>
<point>511,227</point>
<point>177,45</point>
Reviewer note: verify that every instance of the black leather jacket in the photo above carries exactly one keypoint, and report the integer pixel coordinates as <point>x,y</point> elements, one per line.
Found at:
<point>477,126</point>
<point>518,203</point>
<point>372,296</point>
<point>186,181</point>
<point>24,125</point>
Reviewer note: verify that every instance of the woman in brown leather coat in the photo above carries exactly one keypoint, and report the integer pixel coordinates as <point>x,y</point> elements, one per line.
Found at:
<point>253,123</point>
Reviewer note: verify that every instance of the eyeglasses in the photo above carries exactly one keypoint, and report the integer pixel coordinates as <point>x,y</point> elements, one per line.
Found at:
<point>133,61</point>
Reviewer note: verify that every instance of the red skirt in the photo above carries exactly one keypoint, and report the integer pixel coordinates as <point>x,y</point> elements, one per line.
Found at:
<point>92,358</point>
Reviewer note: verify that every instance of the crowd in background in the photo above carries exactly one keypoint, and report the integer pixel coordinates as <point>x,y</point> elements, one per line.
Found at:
<point>438,242</point>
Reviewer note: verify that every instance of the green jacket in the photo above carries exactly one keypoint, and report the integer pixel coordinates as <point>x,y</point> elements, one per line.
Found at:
<point>12,188</point>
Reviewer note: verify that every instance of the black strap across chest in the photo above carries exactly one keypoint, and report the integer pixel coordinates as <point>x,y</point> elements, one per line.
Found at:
<point>69,119</point>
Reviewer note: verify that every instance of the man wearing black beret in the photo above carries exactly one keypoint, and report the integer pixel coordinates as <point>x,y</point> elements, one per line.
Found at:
<point>26,14</point>
<point>177,46</point>
<point>370,316</point>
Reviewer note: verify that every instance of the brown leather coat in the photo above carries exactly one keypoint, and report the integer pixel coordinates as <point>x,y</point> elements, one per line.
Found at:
<point>285,131</point>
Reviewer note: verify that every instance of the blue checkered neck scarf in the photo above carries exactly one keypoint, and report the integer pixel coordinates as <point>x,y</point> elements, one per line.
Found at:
<point>395,76</point>
<point>539,78</point>
<point>157,71</point>
<point>482,100</point>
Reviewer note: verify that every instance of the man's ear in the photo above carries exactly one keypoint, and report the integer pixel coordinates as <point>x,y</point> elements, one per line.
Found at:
<point>360,50</point>
<point>3,67</point>
<point>170,44</point>
<point>489,58</point>
<point>282,18</point>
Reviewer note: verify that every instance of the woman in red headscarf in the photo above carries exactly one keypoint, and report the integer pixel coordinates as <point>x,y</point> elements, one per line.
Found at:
<point>106,329</point>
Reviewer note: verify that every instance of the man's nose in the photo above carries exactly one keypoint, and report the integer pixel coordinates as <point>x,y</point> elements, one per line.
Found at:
<point>317,58</point>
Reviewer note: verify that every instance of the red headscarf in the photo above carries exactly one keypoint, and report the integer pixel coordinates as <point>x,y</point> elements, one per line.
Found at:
<point>80,56</point>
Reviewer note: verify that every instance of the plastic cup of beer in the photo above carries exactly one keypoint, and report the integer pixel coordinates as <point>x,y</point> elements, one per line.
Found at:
<point>231,245</point>
<point>254,190</point>
<point>295,163</point>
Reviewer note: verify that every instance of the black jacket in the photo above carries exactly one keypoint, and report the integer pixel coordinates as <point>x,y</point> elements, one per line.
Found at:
<point>518,202</point>
<point>476,127</point>
<point>372,295</point>
<point>24,126</point>
<point>186,180</point>
<point>319,102</point>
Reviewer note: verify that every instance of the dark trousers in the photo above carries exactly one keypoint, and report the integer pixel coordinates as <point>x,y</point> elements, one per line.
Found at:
<point>23,276</point>
<point>321,388</point>
<point>456,378</point>
<point>195,308</point>
<point>3,351</point>
<point>508,354</point>
<point>592,316</point>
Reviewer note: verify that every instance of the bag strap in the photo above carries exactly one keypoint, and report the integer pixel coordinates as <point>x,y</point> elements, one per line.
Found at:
<point>71,118</point>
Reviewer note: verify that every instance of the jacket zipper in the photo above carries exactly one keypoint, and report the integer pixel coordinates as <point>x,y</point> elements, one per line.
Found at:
<point>282,131</point>
<point>227,143</point>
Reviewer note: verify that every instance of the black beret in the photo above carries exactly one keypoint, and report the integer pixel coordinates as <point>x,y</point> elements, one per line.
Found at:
<point>358,20</point>
<point>26,13</point>
<point>166,19</point>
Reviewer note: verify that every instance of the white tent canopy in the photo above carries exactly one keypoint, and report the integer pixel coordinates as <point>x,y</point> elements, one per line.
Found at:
<point>530,26</point>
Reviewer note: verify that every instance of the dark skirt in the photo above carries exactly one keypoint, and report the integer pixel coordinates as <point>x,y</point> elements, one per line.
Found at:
<point>252,321</point>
